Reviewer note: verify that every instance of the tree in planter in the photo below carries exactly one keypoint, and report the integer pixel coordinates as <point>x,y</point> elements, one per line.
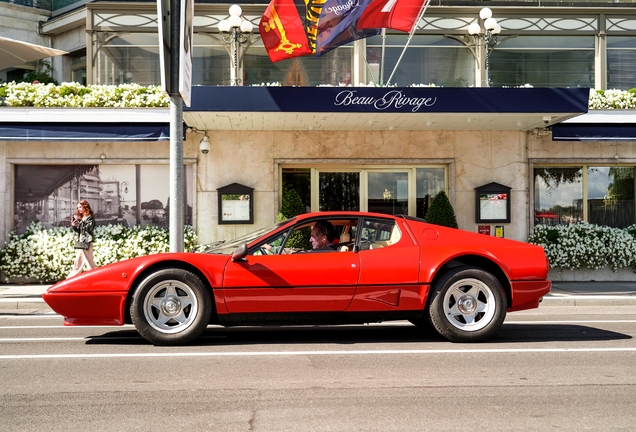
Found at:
<point>441,211</point>
<point>292,206</point>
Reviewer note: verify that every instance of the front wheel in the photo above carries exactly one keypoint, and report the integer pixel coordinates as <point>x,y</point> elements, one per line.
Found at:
<point>468,304</point>
<point>171,307</point>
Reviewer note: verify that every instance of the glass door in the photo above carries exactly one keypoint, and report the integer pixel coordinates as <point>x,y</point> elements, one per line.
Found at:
<point>388,192</point>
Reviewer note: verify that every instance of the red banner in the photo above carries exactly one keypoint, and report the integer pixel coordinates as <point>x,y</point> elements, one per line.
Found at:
<point>283,32</point>
<point>393,14</point>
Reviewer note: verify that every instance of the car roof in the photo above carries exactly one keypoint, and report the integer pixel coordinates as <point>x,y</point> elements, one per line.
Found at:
<point>328,214</point>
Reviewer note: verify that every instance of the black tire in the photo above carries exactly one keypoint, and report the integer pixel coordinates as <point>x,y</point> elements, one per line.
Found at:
<point>468,304</point>
<point>171,307</point>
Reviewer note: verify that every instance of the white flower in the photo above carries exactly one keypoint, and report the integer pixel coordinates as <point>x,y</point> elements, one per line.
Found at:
<point>47,254</point>
<point>586,245</point>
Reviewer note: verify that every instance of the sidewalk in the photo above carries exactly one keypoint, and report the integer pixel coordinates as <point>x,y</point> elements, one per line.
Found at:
<point>28,298</point>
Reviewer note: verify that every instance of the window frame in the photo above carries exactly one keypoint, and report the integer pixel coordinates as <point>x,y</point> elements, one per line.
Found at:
<point>364,169</point>
<point>584,183</point>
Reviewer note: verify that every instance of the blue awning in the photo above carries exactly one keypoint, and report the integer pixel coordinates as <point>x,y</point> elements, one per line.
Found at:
<point>594,132</point>
<point>21,131</point>
<point>381,108</point>
<point>389,99</point>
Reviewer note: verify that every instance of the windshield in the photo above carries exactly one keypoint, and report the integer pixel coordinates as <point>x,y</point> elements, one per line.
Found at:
<point>225,247</point>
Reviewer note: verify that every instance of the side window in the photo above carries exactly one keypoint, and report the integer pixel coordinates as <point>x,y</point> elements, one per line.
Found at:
<point>378,233</point>
<point>344,232</point>
<point>272,246</point>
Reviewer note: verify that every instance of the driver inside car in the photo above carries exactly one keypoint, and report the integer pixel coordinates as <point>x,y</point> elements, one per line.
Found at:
<point>322,237</point>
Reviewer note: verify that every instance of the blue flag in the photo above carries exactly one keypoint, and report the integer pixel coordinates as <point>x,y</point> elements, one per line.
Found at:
<point>337,24</point>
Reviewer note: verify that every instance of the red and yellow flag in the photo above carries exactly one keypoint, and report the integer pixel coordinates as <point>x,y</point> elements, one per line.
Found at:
<point>282,31</point>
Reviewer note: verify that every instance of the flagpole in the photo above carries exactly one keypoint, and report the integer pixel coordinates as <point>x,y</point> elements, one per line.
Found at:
<point>364,57</point>
<point>382,57</point>
<point>408,41</point>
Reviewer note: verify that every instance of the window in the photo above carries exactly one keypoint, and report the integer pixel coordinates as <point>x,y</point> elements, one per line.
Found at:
<point>119,194</point>
<point>388,192</point>
<point>78,67</point>
<point>339,191</point>
<point>128,58</point>
<point>296,239</point>
<point>601,195</point>
<point>332,68</point>
<point>388,189</point>
<point>621,62</point>
<point>378,233</point>
<point>211,65</point>
<point>543,61</point>
<point>428,60</point>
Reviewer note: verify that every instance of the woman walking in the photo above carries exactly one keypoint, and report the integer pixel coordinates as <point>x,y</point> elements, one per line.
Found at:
<point>83,224</point>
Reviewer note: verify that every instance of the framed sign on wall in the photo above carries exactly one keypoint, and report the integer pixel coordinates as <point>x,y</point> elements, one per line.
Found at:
<point>492,203</point>
<point>236,204</point>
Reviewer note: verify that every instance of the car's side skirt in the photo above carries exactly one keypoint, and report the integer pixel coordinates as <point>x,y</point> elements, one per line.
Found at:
<point>306,318</point>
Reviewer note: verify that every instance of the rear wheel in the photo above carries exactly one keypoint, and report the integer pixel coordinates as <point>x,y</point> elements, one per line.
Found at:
<point>468,304</point>
<point>171,307</point>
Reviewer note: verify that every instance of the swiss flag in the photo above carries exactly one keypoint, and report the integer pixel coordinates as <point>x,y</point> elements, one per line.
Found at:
<point>283,32</point>
<point>393,14</point>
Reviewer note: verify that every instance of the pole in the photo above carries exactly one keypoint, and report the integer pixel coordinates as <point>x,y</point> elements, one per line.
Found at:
<point>382,57</point>
<point>176,133</point>
<point>408,41</point>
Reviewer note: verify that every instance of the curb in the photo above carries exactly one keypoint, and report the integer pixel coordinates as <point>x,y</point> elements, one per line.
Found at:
<point>588,300</point>
<point>22,305</point>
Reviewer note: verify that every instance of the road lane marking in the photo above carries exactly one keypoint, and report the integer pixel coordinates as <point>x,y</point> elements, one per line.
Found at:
<point>58,326</point>
<point>42,339</point>
<point>572,322</point>
<point>385,324</point>
<point>317,353</point>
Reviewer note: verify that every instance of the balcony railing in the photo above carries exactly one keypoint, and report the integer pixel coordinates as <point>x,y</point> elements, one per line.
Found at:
<point>39,4</point>
<point>51,5</point>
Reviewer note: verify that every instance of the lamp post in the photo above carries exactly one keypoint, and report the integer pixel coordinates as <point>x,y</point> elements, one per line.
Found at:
<point>487,34</point>
<point>235,31</point>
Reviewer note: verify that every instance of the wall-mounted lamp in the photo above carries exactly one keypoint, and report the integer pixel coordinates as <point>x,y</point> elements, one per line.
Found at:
<point>204,145</point>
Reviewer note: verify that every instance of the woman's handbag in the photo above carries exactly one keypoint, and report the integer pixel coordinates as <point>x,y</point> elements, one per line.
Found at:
<point>82,245</point>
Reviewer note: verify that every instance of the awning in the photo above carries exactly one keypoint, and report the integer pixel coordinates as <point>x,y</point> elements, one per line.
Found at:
<point>598,125</point>
<point>14,52</point>
<point>382,108</point>
<point>594,132</point>
<point>84,124</point>
<point>84,132</point>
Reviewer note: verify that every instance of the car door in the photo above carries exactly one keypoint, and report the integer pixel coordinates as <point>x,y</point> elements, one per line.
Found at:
<point>291,282</point>
<point>389,268</point>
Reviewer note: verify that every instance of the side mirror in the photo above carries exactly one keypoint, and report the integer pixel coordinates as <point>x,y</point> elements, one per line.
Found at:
<point>240,253</point>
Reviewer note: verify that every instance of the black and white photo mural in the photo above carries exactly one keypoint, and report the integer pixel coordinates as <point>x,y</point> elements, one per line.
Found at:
<point>119,194</point>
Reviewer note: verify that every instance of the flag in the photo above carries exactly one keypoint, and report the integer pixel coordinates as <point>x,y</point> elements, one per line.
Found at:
<point>282,31</point>
<point>337,24</point>
<point>313,9</point>
<point>393,14</point>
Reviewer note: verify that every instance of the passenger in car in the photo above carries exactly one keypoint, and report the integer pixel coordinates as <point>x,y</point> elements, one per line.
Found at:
<point>322,237</point>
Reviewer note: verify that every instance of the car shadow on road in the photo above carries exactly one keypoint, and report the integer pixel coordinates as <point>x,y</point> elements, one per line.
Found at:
<point>360,334</point>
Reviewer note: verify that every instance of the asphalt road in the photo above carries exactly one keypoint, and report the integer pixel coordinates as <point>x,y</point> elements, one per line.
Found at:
<point>559,368</point>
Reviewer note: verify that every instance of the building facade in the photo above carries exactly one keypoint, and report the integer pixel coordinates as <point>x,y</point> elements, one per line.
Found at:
<point>353,158</point>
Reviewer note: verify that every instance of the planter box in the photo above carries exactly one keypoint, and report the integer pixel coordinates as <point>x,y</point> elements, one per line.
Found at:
<point>586,275</point>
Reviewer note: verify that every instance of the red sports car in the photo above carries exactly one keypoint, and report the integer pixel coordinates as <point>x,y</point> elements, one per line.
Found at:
<point>328,267</point>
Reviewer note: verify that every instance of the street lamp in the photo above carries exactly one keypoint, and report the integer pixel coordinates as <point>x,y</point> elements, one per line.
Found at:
<point>235,31</point>
<point>489,36</point>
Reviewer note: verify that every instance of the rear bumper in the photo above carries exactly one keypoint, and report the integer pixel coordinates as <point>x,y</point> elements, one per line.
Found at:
<point>528,294</point>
